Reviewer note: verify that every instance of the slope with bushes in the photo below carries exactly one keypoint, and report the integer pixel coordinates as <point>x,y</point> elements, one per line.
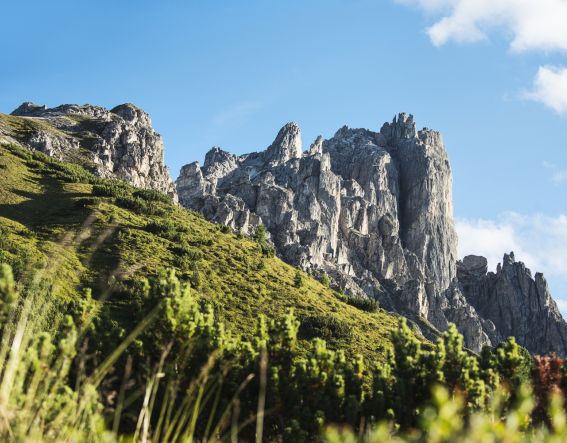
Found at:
<point>86,232</point>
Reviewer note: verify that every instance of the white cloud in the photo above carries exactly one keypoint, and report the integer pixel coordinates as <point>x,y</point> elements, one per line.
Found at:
<point>558,176</point>
<point>550,87</point>
<point>530,24</point>
<point>538,240</point>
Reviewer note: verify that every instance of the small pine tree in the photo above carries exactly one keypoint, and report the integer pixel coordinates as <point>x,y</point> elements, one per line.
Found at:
<point>325,280</point>
<point>261,235</point>
<point>298,279</point>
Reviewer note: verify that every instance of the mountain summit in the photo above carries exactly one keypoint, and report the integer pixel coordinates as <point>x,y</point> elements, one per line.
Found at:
<point>120,142</point>
<point>373,211</point>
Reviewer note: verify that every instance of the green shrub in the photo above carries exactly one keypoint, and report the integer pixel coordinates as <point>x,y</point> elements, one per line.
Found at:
<point>362,303</point>
<point>140,206</point>
<point>298,280</point>
<point>324,279</point>
<point>181,352</point>
<point>85,202</point>
<point>261,235</point>
<point>188,251</point>
<point>327,328</point>
<point>152,195</point>
<point>166,229</point>
<point>114,190</point>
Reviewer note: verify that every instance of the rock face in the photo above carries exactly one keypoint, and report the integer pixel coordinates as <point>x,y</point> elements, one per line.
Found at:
<point>120,142</point>
<point>373,210</point>
<point>517,303</point>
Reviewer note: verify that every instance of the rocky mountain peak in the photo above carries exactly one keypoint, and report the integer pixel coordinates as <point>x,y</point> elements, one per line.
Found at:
<point>509,259</point>
<point>132,114</point>
<point>366,212</point>
<point>286,146</point>
<point>517,304</point>
<point>373,210</point>
<point>401,128</point>
<point>118,143</point>
<point>219,162</point>
<point>317,146</point>
<point>28,109</point>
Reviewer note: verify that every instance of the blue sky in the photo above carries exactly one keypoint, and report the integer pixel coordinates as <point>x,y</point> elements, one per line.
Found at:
<point>488,75</point>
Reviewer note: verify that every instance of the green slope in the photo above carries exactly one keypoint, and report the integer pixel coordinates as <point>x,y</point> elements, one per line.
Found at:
<point>82,231</point>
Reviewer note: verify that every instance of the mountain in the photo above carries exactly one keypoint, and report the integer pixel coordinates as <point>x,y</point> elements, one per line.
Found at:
<point>79,232</point>
<point>117,143</point>
<point>373,210</point>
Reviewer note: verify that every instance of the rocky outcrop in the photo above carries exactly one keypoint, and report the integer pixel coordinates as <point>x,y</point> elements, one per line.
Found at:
<point>120,142</point>
<point>516,303</point>
<point>370,209</point>
<point>373,210</point>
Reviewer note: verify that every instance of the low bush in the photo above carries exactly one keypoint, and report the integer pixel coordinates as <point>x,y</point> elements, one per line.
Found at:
<point>298,279</point>
<point>114,190</point>
<point>362,303</point>
<point>141,206</point>
<point>327,328</point>
<point>164,228</point>
<point>184,359</point>
<point>152,195</point>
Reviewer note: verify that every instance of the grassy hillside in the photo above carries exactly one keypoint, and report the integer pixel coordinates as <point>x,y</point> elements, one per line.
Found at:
<point>183,374</point>
<point>85,232</point>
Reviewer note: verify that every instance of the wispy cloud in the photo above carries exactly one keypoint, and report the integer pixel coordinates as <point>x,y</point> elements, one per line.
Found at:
<point>558,176</point>
<point>538,240</point>
<point>550,87</point>
<point>562,304</point>
<point>236,114</point>
<point>531,24</point>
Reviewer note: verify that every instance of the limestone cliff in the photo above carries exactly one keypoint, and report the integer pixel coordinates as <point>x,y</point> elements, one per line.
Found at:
<point>517,303</point>
<point>371,209</point>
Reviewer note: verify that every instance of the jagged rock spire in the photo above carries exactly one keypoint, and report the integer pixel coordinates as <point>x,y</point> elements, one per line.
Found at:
<point>516,303</point>
<point>317,146</point>
<point>401,128</point>
<point>286,146</point>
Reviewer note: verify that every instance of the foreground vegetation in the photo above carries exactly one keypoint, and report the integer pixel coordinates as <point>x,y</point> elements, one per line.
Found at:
<point>125,318</point>
<point>201,383</point>
<point>102,232</point>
